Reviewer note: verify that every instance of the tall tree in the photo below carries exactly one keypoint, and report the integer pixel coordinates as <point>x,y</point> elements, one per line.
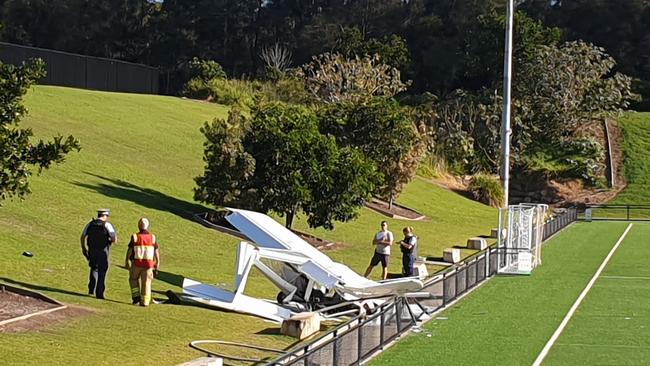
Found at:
<point>279,161</point>
<point>18,151</point>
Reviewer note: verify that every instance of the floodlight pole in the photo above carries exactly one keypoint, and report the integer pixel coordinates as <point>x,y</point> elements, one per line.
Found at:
<point>505,119</point>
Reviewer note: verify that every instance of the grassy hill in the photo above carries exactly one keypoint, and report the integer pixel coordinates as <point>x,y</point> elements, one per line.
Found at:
<point>139,156</point>
<point>636,147</point>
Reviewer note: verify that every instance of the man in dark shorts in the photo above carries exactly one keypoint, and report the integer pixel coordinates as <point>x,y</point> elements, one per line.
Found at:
<point>382,240</point>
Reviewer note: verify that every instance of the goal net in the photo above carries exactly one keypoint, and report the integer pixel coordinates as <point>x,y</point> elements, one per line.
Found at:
<point>521,228</point>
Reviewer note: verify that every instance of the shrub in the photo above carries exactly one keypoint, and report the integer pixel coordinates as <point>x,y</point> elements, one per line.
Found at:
<point>333,78</point>
<point>486,189</point>
<point>232,92</point>
<point>202,74</point>
<point>206,69</point>
<point>581,158</point>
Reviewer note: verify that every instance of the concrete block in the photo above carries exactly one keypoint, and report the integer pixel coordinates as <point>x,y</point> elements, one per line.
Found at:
<point>451,255</point>
<point>495,233</point>
<point>420,269</point>
<point>301,325</point>
<point>477,243</point>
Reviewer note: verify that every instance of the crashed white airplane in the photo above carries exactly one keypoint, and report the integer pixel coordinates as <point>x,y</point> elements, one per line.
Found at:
<point>308,279</point>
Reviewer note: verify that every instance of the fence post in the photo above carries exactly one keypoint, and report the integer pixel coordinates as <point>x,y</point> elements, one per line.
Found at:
<point>360,341</point>
<point>628,212</point>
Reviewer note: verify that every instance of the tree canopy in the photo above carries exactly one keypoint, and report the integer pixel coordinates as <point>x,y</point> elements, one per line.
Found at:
<point>441,45</point>
<point>278,160</point>
<point>19,152</point>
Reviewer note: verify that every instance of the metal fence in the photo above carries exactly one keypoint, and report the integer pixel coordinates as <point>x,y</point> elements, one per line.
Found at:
<point>559,221</point>
<point>620,212</point>
<point>86,72</point>
<point>356,340</point>
<point>360,338</point>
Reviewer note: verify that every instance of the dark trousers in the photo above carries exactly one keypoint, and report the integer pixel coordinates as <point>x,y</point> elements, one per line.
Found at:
<point>98,263</point>
<point>408,261</point>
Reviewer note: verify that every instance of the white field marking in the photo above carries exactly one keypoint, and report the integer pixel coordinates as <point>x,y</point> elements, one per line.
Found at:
<point>626,277</point>
<point>602,345</point>
<point>565,321</point>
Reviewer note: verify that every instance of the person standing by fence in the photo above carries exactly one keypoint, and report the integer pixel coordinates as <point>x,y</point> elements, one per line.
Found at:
<point>409,251</point>
<point>383,240</point>
<point>142,257</point>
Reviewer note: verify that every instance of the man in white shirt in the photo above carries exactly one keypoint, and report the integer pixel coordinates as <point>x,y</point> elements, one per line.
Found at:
<point>382,240</point>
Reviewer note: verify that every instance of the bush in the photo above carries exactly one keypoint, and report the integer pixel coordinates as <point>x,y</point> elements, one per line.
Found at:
<point>233,92</point>
<point>202,74</point>
<point>206,69</point>
<point>580,158</point>
<point>486,189</point>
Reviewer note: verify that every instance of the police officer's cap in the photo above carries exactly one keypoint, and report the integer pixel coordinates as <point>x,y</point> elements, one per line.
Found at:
<point>103,212</point>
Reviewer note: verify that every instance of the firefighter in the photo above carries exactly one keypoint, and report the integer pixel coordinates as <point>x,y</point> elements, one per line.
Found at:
<point>142,257</point>
<point>96,240</point>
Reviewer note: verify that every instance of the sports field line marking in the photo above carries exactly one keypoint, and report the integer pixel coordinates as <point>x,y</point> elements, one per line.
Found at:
<point>602,345</point>
<point>626,277</point>
<point>565,321</point>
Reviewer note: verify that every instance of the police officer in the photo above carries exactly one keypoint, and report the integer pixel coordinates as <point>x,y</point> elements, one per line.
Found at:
<point>409,251</point>
<point>96,239</point>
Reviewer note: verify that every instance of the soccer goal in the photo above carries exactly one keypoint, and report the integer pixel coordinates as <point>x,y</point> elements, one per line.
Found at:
<point>521,228</point>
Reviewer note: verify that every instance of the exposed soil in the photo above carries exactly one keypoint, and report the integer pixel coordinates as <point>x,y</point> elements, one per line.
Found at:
<point>319,243</point>
<point>216,220</point>
<point>562,192</point>
<point>396,211</point>
<point>14,305</point>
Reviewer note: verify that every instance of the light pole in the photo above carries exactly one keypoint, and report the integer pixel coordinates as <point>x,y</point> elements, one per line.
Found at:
<point>505,119</point>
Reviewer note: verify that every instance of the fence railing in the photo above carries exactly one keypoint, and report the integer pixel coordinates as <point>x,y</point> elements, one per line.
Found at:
<point>617,212</point>
<point>86,72</point>
<point>360,338</point>
<point>356,340</point>
<point>559,221</point>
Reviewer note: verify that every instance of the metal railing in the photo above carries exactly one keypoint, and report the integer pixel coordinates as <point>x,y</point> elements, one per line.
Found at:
<point>356,340</point>
<point>616,212</point>
<point>559,221</point>
<point>363,336</point>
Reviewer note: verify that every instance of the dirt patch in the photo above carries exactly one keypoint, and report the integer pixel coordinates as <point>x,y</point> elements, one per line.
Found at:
<point>320,244</point>
<point>44,321</point>
<point>395,211</point>
<point>560,192</point>
<point>574,192</point>
<point>217,221</point>
<point>13,305</point>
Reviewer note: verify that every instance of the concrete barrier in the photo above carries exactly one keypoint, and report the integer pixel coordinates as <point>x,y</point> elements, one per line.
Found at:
<point>477,243</point>
<point>301,325</point>
<point>451,255</point>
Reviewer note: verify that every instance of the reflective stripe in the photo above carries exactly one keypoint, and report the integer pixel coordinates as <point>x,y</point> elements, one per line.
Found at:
<point>144,249</point>
<point>143,252</point>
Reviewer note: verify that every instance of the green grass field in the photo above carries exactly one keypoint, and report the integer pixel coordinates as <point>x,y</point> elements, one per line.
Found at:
<point>139,156</point>
<point>508,320</point>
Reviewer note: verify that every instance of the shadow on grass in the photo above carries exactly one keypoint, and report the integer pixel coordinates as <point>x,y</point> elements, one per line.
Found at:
<point>147,197</point>
<point>170,278</point>
<point>48,289</point>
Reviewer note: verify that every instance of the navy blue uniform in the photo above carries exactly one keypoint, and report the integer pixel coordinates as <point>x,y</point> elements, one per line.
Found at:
<point>408,255</point>
<point>99,239</point>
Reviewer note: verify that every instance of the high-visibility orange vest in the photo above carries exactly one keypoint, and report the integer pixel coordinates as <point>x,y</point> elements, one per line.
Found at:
<point>144,249</point>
